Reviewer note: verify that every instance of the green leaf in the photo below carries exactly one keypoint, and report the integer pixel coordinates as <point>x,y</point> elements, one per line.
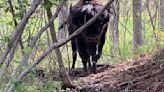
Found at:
<point>27,50</point>
<point>6,38</point>
<point>47,4</point>
<point>7,9</point>
<point>14,82</point>
<point>10,23</point>
<point>1,6</point>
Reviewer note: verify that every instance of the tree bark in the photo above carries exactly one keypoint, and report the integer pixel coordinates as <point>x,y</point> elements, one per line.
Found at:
<point>152,18</point>
<point>137,24</point>
<point>63,14</point>
<point>16,36</point>
<point>114,27</point>
<point>162,15</point>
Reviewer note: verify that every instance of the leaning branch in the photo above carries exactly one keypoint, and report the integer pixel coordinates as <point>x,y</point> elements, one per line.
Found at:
<point>25,57</point>
<point>19,30</point>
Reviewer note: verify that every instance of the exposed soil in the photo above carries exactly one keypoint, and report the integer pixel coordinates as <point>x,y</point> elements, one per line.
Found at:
<point>145,74</point>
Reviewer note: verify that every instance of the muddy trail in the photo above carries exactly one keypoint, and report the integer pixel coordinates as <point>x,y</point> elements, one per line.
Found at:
<point>144,74</point>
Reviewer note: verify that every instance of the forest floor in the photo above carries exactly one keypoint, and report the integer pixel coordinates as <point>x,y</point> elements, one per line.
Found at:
<point>144,74</point>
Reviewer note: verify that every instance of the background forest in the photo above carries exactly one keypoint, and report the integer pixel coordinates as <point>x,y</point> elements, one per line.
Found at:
<point>29,29</point>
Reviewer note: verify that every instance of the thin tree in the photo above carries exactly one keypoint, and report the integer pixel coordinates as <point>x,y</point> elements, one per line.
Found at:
<point>114,26</point>
<point>152,17</point>
<point>137,24</point>
<point>162,15</point>
<point>62,18</point>
<point>62,70</point>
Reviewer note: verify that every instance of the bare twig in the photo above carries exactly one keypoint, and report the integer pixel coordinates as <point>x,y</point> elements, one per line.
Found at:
<point>12,12</point>
<point>19,30</point>
<point>37,36</point>
<point>152,17</point>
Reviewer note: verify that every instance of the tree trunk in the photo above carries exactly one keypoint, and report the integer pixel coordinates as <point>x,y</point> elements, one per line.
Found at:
<point>162,15</point>
<point>152,18</point>
<point>114,27</point>
<point>62,70</point>
<point>62,18</point>
<point>137,25</point>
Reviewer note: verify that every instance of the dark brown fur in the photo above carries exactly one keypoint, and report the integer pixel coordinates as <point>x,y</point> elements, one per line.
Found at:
<point>80,44</point>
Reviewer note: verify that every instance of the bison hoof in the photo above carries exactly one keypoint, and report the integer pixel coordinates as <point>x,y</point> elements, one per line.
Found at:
<point>94,71</point>
<point>73,68</point>
<point>94,68</point>
<point>85,70</point>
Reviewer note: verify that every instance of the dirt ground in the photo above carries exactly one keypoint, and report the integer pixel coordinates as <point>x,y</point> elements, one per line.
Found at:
<point>144,74</point>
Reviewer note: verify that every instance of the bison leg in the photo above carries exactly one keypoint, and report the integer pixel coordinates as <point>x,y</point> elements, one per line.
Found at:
<point>102,39</point>
<point>89,63</point>
<point>84,61</point>
<point>74,52</point>
<point>82,49</point>
<point>94,67</point>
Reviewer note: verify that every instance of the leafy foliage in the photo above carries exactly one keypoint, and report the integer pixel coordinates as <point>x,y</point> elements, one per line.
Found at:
<point>49,3</point>
<point>27,50</point>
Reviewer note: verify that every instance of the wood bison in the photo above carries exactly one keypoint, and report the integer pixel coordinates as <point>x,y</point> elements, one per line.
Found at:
<point>90,42</point>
